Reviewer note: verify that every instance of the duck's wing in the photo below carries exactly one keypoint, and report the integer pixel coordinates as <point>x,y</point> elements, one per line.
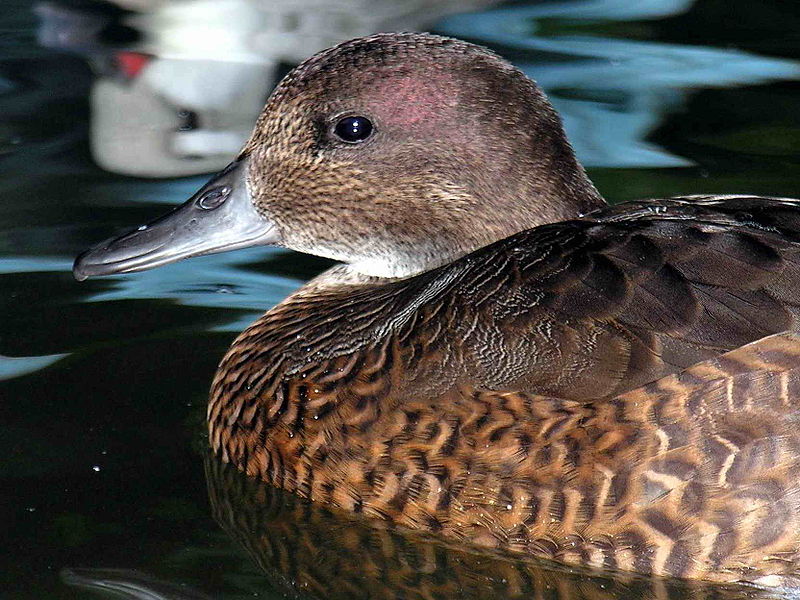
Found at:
<point>581,309</point>
<point>694,475</point>
<point>596,306</point>
<point>452,401</point>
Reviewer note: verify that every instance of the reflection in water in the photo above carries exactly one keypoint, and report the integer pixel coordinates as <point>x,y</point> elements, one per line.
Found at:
<point>17,366</point>
<point>329,555</point>
<point>128,584</point>
<point>613,93</point>
<point>183,99</point>
<point>236,286</point>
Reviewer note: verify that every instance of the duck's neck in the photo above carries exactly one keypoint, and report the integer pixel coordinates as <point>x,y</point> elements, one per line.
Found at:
<point>489,215</point>
<point>339,277</point>
<point>451,235</point>
<point>514,191</point>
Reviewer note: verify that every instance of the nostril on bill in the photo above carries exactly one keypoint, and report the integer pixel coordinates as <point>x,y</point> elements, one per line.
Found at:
<point>213,198</point>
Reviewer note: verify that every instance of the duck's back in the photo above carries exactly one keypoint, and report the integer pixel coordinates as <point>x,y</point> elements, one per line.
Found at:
<point>580,309</point>
<point>456,400</point>
<point>595,307</point>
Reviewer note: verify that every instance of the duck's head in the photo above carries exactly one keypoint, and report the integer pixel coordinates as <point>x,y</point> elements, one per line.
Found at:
<point>394,153</point>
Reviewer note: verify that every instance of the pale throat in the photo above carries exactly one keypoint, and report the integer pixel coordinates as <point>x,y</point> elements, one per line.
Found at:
<point>392,259</point>
<point>386,268</point>
<point>397,263</point>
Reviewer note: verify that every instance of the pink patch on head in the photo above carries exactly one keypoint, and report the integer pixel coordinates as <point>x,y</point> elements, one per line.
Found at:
<point>409,101</point>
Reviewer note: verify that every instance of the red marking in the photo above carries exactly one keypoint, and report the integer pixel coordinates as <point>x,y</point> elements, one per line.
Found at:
<point>410,100</point>
<point>131,63</point>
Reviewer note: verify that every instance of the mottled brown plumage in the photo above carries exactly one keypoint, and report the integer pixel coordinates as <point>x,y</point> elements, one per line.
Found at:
<point>380,398</point>
<point>502,359</point>
<point>310,550</point>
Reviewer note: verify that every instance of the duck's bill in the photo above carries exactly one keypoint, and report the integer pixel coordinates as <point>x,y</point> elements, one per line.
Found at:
<point>219,217</point>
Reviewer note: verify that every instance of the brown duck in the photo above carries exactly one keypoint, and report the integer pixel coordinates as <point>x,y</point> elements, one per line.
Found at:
<point>309,550</point>
<point>501,358</point>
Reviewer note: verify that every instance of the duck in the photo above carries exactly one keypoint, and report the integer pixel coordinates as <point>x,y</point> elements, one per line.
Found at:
<point>499,357</point>
<point>307,550</point>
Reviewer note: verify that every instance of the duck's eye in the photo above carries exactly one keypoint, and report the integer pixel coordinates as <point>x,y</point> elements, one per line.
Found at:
<point>353,129</point>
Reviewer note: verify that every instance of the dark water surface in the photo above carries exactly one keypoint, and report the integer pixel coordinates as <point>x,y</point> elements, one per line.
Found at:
<point>103,487</point>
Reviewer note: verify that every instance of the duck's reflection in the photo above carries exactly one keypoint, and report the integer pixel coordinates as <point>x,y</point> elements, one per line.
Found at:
<point>308,551</point>
<point>325,554</point>
<point>128,584</point>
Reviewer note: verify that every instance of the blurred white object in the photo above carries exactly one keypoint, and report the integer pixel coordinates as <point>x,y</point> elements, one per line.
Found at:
<point>272,31</point>
<point>212,63</point>
<point>295,30</point>
<point>137,125</point>
<point>217,60</point>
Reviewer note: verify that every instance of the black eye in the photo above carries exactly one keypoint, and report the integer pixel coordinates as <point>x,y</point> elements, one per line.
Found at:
<point>353,129</point>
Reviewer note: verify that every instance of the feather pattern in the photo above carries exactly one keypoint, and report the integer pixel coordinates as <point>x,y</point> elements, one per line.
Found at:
<point>545,394</point>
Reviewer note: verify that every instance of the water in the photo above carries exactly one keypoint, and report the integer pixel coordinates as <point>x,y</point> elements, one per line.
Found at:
<point>103,384</point>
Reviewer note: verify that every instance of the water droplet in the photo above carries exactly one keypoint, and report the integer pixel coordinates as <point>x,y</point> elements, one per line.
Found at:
<point>31,509</point>
<point>508,507</point>
<point>96,468</point>
<point>141,228</point>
